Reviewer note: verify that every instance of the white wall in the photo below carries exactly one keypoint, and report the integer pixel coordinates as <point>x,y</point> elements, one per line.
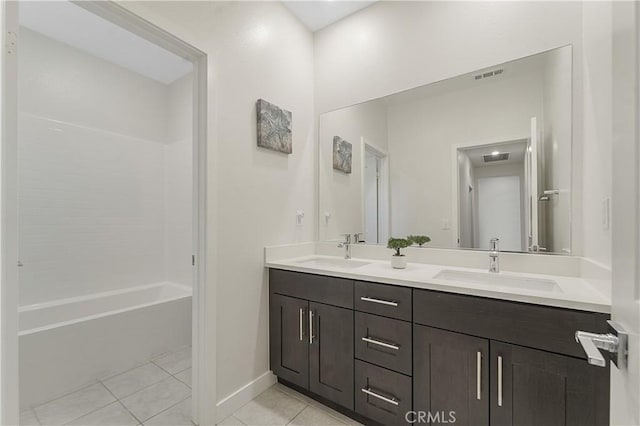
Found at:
<point>422,137</point>
<point>557,152</point>
<point>93,164</point>
<point>466,195</point>
<point>178,160</point>
<point>597,110</point>
<point>400,45</point>
<point>341,193</point>
<point>255,50</point>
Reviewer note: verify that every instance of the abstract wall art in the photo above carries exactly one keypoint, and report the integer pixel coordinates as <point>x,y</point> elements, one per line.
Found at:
<point>274,127</point>
<point>342,153</point>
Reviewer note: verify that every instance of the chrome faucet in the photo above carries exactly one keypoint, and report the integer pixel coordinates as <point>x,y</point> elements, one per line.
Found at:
<point>346,244</point>
<point>494,253</point>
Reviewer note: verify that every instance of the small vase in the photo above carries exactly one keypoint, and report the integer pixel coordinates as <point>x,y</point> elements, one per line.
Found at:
<point>398,262</point>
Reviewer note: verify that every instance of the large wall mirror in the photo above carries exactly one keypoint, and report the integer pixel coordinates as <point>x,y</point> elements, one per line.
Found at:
<point>478,156</point>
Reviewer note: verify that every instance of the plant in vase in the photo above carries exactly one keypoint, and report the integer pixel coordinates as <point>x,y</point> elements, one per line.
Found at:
<point>419,239</point>
<point>398,260</point>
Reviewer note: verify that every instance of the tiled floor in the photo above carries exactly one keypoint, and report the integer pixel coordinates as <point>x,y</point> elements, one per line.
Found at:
<point>157,393</point>
<point>280,406</point>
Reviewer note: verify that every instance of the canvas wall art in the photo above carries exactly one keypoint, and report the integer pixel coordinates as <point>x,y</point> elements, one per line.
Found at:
<point>274,127</point>
<point>342,153</point>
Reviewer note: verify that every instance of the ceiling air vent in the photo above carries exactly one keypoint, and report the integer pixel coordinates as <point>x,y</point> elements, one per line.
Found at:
<point>488,74</point>
<point>490,158</point>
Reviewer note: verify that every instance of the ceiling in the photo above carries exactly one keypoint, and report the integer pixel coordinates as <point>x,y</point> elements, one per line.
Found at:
<point>516,150</point>
<point>79,28</point>
<point>316,15</point>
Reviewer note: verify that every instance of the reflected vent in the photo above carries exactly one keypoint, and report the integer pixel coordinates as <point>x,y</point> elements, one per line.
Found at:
<point>490,158</point>
<point>488,74</point>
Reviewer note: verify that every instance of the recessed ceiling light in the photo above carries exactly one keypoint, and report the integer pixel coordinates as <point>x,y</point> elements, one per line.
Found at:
<point>495,153</point>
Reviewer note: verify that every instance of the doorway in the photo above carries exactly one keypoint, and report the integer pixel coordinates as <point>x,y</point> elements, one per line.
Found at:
<point>375,205</point>
<point>107,197</point>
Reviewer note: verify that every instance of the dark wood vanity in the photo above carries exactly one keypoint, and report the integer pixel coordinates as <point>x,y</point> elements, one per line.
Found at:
<point>377,352</point>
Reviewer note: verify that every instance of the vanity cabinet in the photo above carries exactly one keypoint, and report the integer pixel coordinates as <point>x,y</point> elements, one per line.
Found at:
<point>451,372</point>
<point>289,339</point>
<point>331,353</point>
<point>311,333</point>
<point>532,387</point>
<point>394,355</point>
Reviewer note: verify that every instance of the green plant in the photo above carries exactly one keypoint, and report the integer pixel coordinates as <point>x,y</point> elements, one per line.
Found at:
<point>419,239</point>
<point>397,244</point>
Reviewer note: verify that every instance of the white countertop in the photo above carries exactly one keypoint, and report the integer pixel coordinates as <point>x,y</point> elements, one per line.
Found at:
<point>573,292</point>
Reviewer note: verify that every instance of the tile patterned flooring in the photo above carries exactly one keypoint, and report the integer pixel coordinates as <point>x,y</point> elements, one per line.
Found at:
<point>281,406</point>
<point>156,393</point>
<point>159,393</point>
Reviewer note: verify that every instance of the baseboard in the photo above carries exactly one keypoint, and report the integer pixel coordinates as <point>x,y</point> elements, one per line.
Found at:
<point>230,404</point>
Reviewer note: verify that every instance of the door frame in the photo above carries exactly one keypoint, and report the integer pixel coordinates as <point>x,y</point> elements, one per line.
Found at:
<point>203,301</point>
<point>625,207</point>
<point>384,217</point>
<point>455,181</point>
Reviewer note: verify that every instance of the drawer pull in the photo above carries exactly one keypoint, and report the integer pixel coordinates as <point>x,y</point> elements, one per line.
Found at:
<point>499,381</point>
<point>392,401</point>
<point>379,343</point>
<point>479,375</point>
<point>379,301</point>
<point>311,336</point>
<point>301,315</point>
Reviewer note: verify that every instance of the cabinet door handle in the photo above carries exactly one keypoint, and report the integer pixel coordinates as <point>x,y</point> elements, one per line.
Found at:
<point>379,301</point>
<point>392,401</point>
<point>379,343</point>
<point>301,326</point>
<point>479,375</point>
<point>310,326</point>
<point>499,381</point>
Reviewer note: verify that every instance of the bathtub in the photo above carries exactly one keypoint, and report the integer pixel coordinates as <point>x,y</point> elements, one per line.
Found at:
<point>67,344</point>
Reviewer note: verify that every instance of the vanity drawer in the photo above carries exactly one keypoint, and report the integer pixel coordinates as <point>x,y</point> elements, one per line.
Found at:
<point>382,299</point>
<point>540,327</point>
<point>317,288</point>
<point>383,341</point>
<point>382,395</point>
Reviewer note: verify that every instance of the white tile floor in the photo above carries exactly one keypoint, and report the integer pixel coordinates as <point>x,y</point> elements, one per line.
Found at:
<point>159,393</point>
<point>281,406</point>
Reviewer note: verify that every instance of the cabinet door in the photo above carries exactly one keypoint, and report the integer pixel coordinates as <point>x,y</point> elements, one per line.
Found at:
<point>531,388</point>
<point>450,377</point>
<point>289,341</point>
<point>331,353</point>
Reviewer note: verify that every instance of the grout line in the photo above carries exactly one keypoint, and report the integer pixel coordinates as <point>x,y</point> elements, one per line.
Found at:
<point>237,419</point>
<point>139,390</point>
<point>169,408</point>
<point>99,408</point>
<point>120,402</point>
<point>66,394</point>
<point>297,415</point>
<point>36,416</point>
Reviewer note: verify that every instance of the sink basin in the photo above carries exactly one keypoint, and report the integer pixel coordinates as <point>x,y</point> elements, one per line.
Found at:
<point>491,279</point>
<point>323,262</point>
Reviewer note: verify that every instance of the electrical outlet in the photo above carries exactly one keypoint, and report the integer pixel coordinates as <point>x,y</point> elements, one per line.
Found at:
<point>445,224</point>
<point>300,217</point>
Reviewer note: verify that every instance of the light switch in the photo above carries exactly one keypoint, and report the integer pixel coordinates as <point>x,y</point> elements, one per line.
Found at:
<point>445,224</point>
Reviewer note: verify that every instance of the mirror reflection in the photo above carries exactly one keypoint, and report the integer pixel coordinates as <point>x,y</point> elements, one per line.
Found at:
<point>479,156</point>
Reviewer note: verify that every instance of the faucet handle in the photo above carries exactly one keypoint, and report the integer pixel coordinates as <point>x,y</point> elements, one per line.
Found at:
<point>494,244</point>
<point>358,238</point>
<point>347,238</point>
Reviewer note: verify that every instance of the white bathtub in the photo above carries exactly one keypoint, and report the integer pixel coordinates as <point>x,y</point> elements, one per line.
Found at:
<point>69,343</point>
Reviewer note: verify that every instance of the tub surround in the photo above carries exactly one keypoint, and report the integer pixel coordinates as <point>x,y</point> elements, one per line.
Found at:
<point>582,285</point>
